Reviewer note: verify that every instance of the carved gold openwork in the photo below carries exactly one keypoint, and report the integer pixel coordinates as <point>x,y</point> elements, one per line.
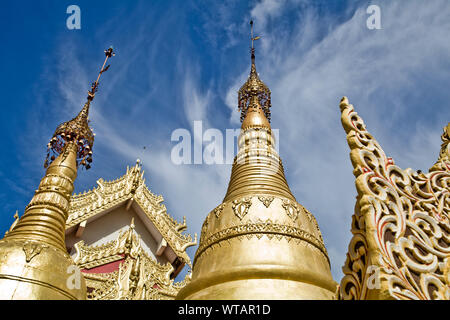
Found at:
<point>401,234</point>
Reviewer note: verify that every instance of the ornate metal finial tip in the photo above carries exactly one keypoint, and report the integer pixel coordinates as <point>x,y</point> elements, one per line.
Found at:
<point>252,38</point>
<point>110,52</point>
<point>254,87</point>
<point>77,130</point>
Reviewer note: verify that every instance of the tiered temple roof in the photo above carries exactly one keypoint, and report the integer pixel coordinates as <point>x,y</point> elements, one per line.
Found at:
<point>126,189</point>
<point>121,269</point>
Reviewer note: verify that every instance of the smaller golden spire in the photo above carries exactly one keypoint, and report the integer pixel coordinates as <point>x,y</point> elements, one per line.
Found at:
<point>34,262</point>
<point>77,130</point>
<point>254,92</point>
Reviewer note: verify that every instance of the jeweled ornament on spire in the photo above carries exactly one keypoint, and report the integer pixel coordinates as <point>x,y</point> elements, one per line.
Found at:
<point>77,129</point>
<point>254,89</point>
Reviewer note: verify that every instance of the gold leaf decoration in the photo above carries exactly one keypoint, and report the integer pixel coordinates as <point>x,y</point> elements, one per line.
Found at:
<point>266,200</point>
<point>32,249</point>
<point>291,208</point>
<point>241,207</point>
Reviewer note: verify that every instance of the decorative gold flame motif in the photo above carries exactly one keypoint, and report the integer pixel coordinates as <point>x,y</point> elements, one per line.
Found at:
<point>401,233</point>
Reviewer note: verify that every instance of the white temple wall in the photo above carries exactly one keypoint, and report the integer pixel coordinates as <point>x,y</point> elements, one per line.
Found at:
<point>108,226</point>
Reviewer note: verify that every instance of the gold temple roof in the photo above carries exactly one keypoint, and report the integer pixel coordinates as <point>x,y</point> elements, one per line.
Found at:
<point>138,277</point>
<point>131,187</point>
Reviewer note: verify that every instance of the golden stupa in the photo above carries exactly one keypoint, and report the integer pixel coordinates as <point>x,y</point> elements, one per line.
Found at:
<point>259,243</point>
<point>34,263</point>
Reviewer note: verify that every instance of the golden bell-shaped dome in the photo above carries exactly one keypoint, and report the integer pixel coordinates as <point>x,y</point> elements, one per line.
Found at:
<point>259,243</point>
<point>255,117</point>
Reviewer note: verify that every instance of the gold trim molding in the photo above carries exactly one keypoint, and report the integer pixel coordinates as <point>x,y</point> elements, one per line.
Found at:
<point>259,228</point>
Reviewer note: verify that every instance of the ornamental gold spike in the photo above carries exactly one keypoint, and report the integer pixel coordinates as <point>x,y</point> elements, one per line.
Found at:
<point>259,243</point>
<point>34,263</point>
<point>443,162</point>
<point>77,129</point>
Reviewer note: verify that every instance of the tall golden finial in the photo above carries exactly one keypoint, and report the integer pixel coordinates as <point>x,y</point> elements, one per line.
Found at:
<point>254,91</point>
<point>77,129</point>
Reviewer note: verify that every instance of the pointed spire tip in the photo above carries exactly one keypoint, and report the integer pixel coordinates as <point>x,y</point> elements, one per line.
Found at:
<point>77,130</point>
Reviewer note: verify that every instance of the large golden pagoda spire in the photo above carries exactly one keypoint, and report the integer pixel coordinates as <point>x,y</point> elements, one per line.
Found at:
<point>259,243</point>
<point>34,263</point>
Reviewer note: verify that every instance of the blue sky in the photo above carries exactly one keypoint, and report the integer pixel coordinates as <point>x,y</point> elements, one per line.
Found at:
<point>180,61</point>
